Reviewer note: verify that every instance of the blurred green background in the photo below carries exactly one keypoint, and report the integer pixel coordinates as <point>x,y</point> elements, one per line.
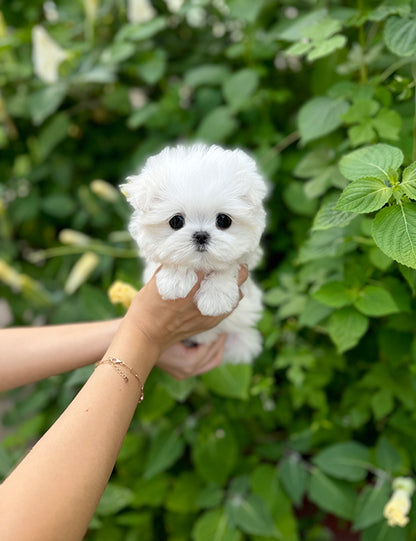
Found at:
<point>305,443</point>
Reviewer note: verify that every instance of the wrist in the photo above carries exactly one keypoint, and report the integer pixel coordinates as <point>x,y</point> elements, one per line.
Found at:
<point>134,347</point>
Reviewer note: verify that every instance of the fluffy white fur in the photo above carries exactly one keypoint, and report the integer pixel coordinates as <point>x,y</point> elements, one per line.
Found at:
<point>199,183</point>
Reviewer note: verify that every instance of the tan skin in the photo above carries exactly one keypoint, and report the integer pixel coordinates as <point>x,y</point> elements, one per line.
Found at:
<point>52,494</point>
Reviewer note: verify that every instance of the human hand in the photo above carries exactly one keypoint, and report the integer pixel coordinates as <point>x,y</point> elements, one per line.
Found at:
<point>164,323</point>
<point>182,362</point>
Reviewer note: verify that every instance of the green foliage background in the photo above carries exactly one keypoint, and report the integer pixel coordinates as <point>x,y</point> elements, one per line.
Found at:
<point>308,440</point>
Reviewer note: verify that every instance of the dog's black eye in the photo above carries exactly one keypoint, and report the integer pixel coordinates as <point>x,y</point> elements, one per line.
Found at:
<point>177,221</point>
<point>223,221</point>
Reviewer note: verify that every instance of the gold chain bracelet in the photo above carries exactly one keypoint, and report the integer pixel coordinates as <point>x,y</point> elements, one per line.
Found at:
<point>117,364</point>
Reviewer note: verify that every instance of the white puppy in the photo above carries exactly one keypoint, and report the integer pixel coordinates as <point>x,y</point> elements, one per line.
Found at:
<point>199,208</point>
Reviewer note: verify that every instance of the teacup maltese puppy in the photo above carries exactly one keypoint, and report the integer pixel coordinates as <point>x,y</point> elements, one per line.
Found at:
<point>199,208</point>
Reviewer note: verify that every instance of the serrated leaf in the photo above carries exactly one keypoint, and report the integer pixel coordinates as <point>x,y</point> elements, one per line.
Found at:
<point>370,504</point>
<point>400,35</point>
<point>347,460</point>
<point>337,497</point>
<point>394,231</point>
<point>346,327</point>
<point>364,195</point>
<point>293,476</point>
<point>408,183</point>
<point>375,301</point>
<point>320,116</point>
<point>374,161</point>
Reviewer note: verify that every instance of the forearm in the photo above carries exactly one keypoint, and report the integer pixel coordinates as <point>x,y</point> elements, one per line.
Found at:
<point>29,354</point>
<point>53,492</point>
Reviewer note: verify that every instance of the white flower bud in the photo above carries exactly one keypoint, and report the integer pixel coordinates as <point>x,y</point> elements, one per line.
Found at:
<point>397,508</point>
<point>74,238</point>
<point>105,190</point>
<point>47,55</point>
<point>140,11</point>
<point>81,271</point>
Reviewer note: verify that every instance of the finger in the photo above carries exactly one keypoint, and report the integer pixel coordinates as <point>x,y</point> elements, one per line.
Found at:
<point>242,274</point>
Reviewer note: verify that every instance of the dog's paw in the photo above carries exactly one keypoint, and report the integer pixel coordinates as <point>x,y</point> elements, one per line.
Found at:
<point>175,284</point>
<point>215,296</point>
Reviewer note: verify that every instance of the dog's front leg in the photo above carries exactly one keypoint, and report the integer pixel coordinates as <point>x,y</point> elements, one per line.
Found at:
<point>218,293</point>
<point>175,282</point>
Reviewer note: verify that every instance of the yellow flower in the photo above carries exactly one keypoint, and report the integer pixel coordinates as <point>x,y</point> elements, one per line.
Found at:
<point>121,292</point>
<point>47,55</point>
<point>81,271</point>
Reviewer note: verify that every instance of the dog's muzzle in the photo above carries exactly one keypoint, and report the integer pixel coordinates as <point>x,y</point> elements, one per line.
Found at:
<point>201,240</point>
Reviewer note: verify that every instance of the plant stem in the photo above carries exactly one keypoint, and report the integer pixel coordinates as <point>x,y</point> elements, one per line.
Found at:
<point>363,67</point>
<point>414,114</point>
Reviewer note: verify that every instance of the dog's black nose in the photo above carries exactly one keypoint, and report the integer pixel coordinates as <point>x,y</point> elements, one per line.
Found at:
<point>201,237</point>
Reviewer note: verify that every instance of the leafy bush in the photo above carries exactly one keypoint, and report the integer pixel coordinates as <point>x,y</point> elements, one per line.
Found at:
<point>306,443</point>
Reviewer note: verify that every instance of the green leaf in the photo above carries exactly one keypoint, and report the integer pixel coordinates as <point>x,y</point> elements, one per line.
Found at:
<point>408,183</point>
<point>337,497</point>
<point>46,101</point>
<point>59,205</point>
<point>142,31</point>
<point>375,301</point>
<point>184,493</point>
<point>376,161</point>
<point>207,74</point>
<point>165,449</point>
<point>320,116</point>
<point>150,492</point>
<point>114,499</point>
<point>328,216</point>
<point>346,327</point>
<point>394,231</point>
<point>294,477</point>
<point>6,463</point>
<point>217,125</point>
<point>245,9</point>
<point>388,124</point>
<point>370,504</point>
<point>400,35</point>
<point>239,87</point>
<point>229,380</point>
<point>334,294</point>
<point>326,47</point>
<point>215,526</point>
<point>251,515</point>
<point>383,532</point>
<point>347,460</point>
<point>387,457</point>
<point>215,452</point>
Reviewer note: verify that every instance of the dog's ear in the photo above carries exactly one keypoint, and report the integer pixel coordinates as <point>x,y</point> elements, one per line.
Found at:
<point>255,185</point>
<point>136,191</point>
